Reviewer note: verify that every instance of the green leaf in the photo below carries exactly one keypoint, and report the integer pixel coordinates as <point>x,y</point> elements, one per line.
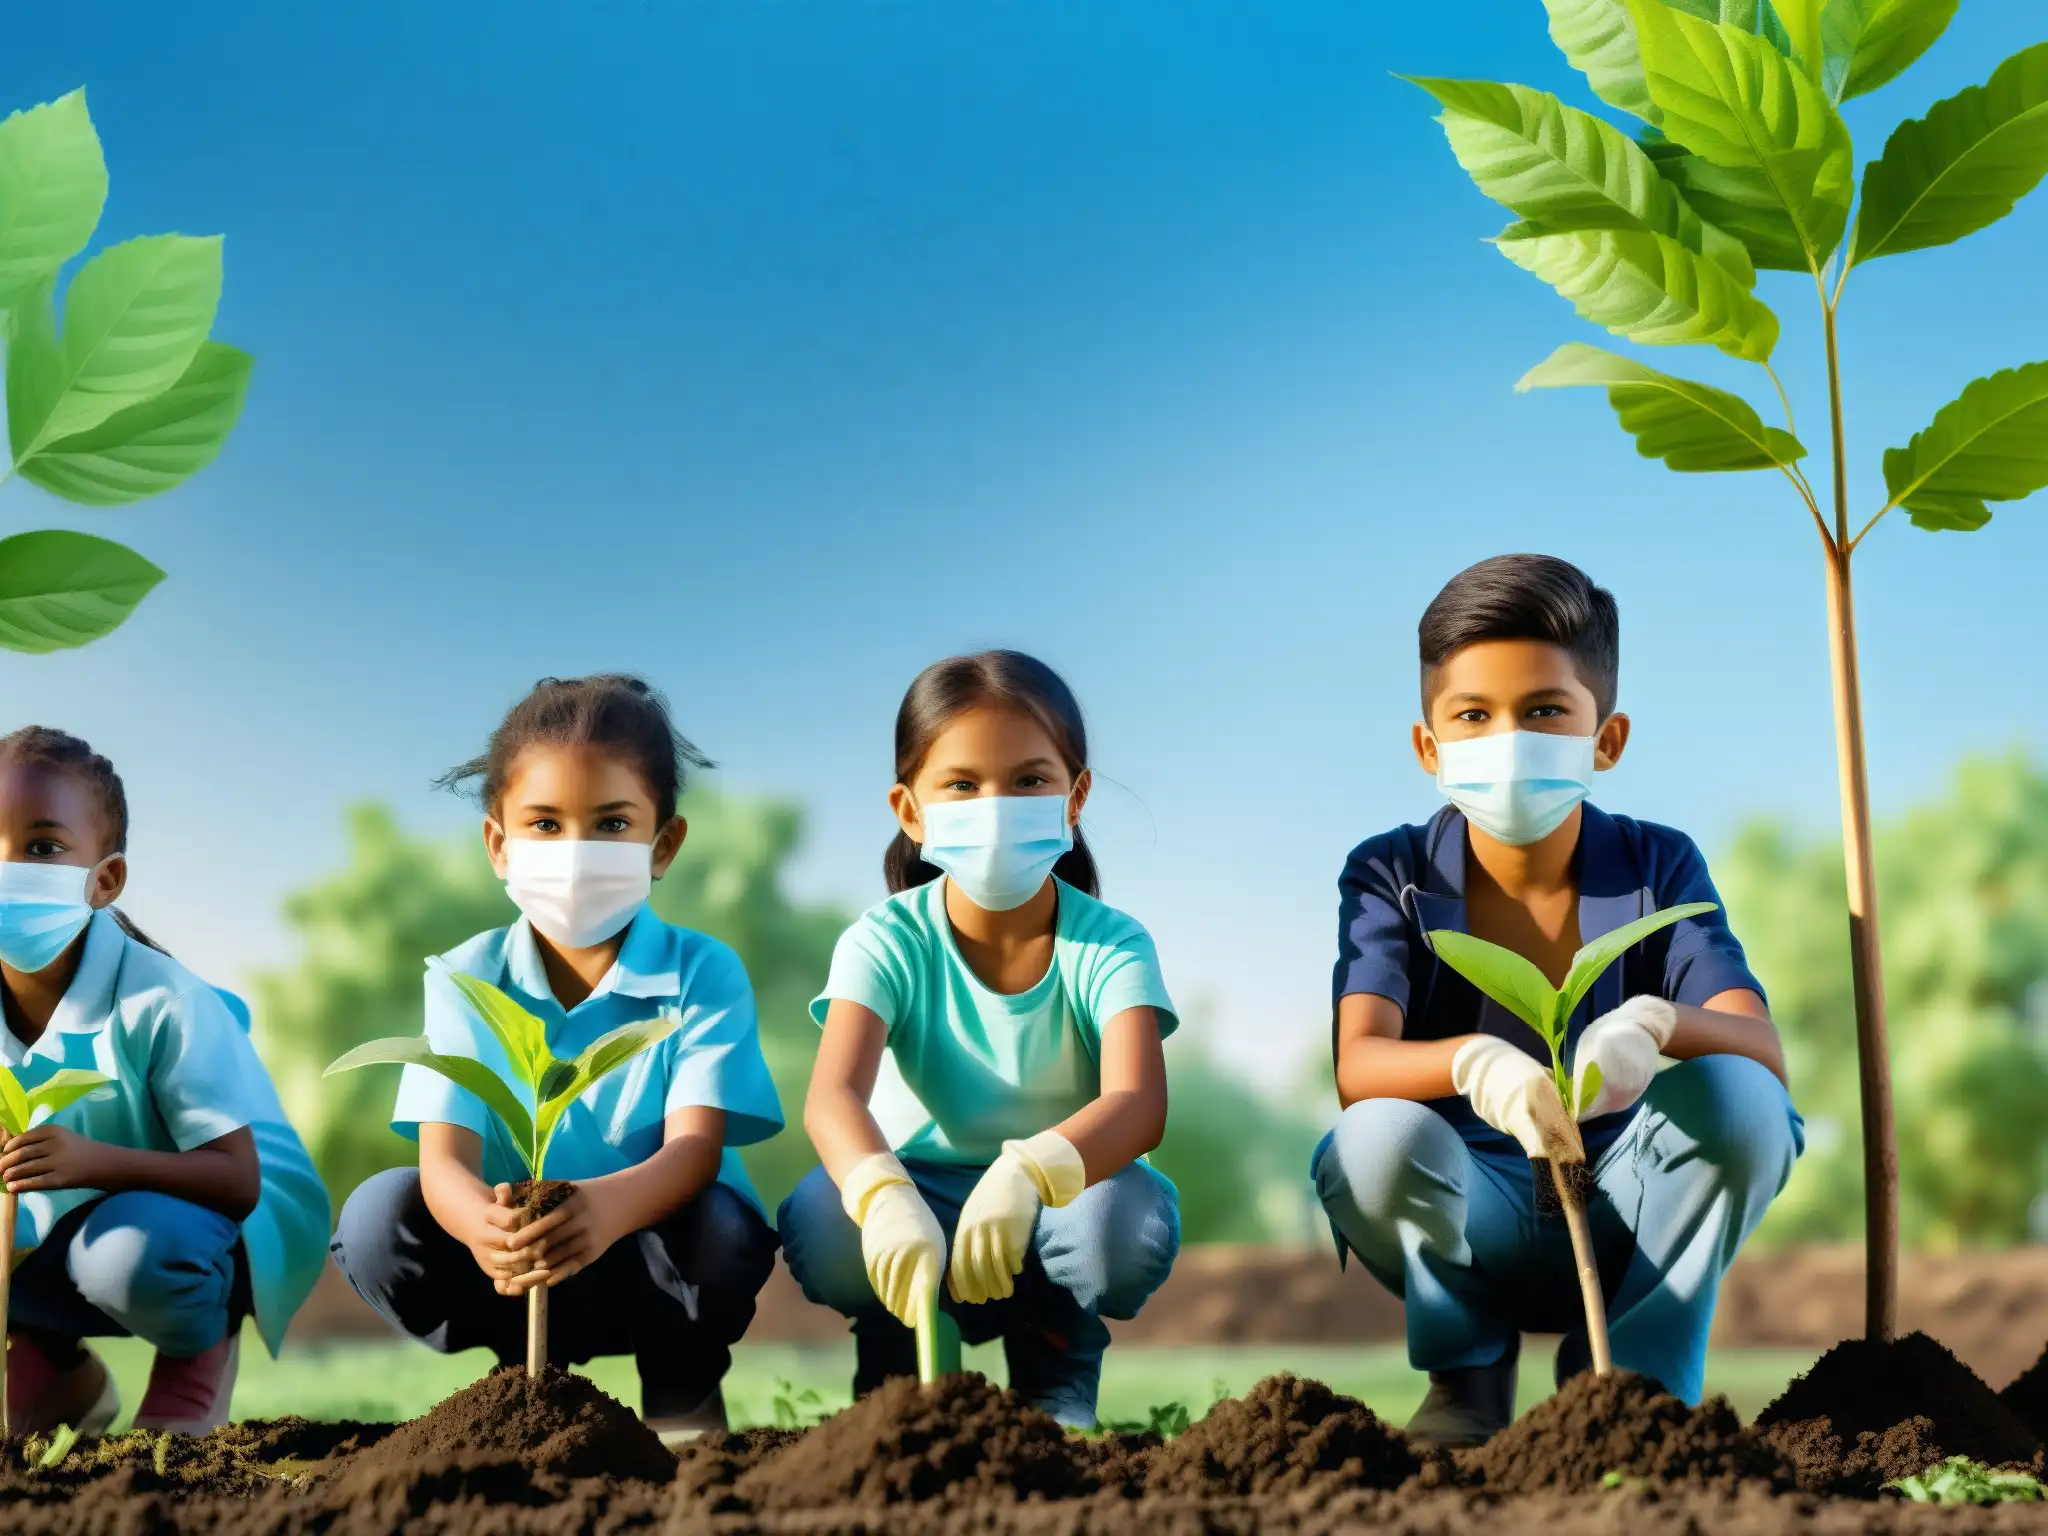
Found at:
<point>152,446</point>
<point>1595,957</point>
<point>60,1090</point>
<point>605,1054</point>
<point>1988,444</point>
<point>1648,288</point>
<point>1502,975</point>
<point>1739,104</point>
<point>1962,166</point>
<point>1959,1480</point>
<point>1692,427</point>
<point>53,183</point>
<point>413,1051</point>
<point>1801,20</point>
<point>524,1037</point>
<point>133,321</point>
<point>1589,1088</point>
<point>1869,42</point>
<point>1755,16</point>
<point>13,1104</point>
<point>59,590</point>
<point>1742,204</point>
<point>1565,170</point>
<point>1599,39</point>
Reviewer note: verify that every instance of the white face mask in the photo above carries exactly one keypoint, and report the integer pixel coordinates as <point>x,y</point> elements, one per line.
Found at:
<point>578,893</point>
<point>43,907</point>
<point>1516,786</point>
<point>997,848</point>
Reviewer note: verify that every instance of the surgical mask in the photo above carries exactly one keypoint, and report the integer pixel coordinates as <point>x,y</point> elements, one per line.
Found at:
<point>1516,786</point>
<point>577,893</point>
<point>997,848</point>
<point>43,907</point>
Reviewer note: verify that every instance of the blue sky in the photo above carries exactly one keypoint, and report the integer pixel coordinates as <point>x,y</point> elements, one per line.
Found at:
<point>774,350</point>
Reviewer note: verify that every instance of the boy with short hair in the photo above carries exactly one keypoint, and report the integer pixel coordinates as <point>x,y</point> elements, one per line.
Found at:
<point>1447,1096</point>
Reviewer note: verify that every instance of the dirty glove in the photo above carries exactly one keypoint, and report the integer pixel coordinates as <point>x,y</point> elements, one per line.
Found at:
<point>900,1239</point>
<point>1514,1093</point>
<point>995,1224</point>
<point>1625,1044</point>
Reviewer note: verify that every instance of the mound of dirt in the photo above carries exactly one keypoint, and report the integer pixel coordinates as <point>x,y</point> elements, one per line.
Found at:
<point>708,1468</point>
<point>1869,1412</point>
<point>1623,1424</point>
<point>2027,1397</point>
<point>1282,1435</point>
<point>559,1424</point>
<point>959,1439</point>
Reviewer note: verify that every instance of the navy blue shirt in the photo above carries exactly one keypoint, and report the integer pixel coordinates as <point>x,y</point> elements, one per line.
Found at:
<point>1399,886</point>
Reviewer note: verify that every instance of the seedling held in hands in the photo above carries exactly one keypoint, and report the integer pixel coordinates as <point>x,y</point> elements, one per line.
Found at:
<point>549,1085</point>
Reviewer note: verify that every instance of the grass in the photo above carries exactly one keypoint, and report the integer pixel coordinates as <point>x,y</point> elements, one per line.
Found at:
<point>399,1381</point>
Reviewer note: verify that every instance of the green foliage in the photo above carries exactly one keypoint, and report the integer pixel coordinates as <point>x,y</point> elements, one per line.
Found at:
<point>1166,1420</point>
<point>1989,444</point>
<point>1960,1480</point>
<point>1646,287</point>
<point>1869,42</point>
<point>59,1447</point>
<point>60,1090</point>
<point>128,400</point>
<point>792,1407</point>
<point>1600,40</point>
<point>1690,426</point>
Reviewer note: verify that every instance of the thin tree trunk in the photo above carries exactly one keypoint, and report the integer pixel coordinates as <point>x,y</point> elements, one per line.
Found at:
<point>7,1209</point>
<point>536,1330</point>
<point>1589,1272</point>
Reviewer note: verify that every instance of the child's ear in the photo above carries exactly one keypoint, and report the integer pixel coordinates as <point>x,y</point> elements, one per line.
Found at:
<point>904,804</point>
<point>668,842</point>
<point>1424,741</point>
<point>1079,796</point>
<point>109,880</point>
<point>1610,742</point>
<point>494,846</point>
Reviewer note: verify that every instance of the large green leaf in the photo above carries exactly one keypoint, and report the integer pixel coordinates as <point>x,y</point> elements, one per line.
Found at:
<point>1801,20</point>
<point>1740,203</point>
<point>1988,444</point>
<point>1564,170</point>
<point>1962,166</point>
<point>413,1051</point>
<point>59,590</point>
<point>13,1104</point>
<point>1599,39</point>
<point>1502,975</point>
<point>605,1054</point>
<point>1595,957</point>
<point>53,182</point>
<point>1648,288</point>
<point>1738,103</point>
<point>152,446</point>
<point>524,1037</point>
<point>1690,426</point>
<point>1869,42</point>
<point>134,318</point>
<point>1755,16</point>
<point>61,1089</point>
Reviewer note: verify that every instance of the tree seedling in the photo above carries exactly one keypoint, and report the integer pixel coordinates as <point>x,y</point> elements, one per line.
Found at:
<point>1518,986</point>
<point>1740,161</point>
<point>1959,1480</point>
<point>21,1108</point>
<point>549,1086</point>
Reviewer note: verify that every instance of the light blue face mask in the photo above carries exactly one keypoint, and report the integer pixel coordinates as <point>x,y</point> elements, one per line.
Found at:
<point>997,848</point>
<point>1516,786</point>
<point>42,909</point>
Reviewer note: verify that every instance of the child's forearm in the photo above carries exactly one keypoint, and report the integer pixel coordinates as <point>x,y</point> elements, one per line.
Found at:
<point>842,1128</point>
<point>221,1175</point>
<point>1731,1024</point>
<point>1375,1067</point>
<point>1115,1131</point>
<point>639,1197</point>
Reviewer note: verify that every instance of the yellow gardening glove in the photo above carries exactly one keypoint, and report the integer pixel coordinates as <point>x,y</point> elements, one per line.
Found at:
<point>995,1224</point>
<point>900,1239</point>
<point>1514,1093</point>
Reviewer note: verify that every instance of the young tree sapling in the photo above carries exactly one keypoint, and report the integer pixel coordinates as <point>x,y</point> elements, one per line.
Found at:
<point>549,1083</point>
<point>1518,986</point>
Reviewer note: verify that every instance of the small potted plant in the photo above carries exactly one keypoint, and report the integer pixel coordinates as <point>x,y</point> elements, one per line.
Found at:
<point>1518,986</point>
<point>548,1084</point>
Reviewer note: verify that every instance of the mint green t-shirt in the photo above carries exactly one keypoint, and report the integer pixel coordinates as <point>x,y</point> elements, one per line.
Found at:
<point>968,1068</point>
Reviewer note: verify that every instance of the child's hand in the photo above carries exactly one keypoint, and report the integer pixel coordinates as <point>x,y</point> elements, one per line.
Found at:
<point>489,1241</point>
<point>566,1241</point>
<point>51,1157</point>
<point>1515,1094</point>
<point>1625,1045</point>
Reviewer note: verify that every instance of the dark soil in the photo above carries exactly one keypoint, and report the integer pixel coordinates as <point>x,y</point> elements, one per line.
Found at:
<point>2027,1397</point>
<point>1281,1436</point>
<point>535,1199</point>
<point>1624,1424</point>
<point>1870,1412</point>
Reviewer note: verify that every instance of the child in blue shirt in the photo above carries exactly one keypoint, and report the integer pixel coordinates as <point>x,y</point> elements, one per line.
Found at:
<point>663,1247</point>
<point>1447,1096</point>
<point>175,1200</point>
<point>1019,1019</point>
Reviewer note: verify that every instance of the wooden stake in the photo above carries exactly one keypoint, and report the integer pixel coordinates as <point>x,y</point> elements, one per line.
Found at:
<point>536,1330</point>
<point>1589,1272</point>
<point>7,1210</point>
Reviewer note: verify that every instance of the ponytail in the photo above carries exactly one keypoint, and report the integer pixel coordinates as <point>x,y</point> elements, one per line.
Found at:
<point>127,926</point>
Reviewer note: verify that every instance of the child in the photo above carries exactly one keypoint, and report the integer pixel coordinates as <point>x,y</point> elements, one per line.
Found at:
<point>1025,1018</point>
<point>664,1246</point>
<point>1447,1096</point>
<point>176,1200</point>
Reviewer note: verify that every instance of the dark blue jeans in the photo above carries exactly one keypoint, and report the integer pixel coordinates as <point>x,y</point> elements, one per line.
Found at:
<point>676,1297</point>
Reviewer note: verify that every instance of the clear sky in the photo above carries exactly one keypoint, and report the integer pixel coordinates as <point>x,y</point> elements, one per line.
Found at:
<point>774,350</point>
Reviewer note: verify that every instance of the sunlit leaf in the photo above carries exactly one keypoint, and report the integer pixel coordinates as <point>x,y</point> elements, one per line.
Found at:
<point>1801,20</point>
<point>1506,977</point>
<point>523,1037</point>
<point>1589,1087</point>
<point>1594,958</point>
<point>53,182</point>
<point>152,446</point>
<point>1599,39</point>
<point>413,1051</point>
<point>13,1104</point>
<point>1690,426</point>
<point>1648,288</point>
<point>60,1090</point>
<point>1962,166</point>
<point>1741,203</point>
<point>1988,444</point>
<point>61,589</point>
<point>603,1055</point>
<point>1869,42</point>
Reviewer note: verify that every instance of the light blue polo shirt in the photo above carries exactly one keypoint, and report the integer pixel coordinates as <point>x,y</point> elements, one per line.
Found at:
<point>713,1059</point>
<point>968,1068</point>
<point>184,1073</point>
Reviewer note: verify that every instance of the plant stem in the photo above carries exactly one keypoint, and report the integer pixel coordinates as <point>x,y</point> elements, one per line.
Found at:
<point>1866,967</point>
<point>1589,1272</point>
<point>1784,399</point>
<point>8,1203</point>
<point>938,1343</point>
<point>536,1331</point>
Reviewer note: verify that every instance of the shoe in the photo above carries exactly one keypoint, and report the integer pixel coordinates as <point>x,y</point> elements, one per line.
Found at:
<point>1468,1406</point>
<point>678,1426</point>
<point>43,1396</point>
<point>191,1394</point>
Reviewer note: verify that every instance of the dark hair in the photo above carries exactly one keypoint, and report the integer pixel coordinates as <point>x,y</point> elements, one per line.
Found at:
<point>42,747</point>
<point>947,689</point>
<point>1526,597</point>
<point>611,710</point>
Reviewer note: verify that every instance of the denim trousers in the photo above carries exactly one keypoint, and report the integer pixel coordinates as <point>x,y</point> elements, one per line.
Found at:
<point>1453,1230</point>
<point>1101,1255</point>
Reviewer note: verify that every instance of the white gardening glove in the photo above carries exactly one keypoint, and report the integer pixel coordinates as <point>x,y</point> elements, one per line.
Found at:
<point>1626,1044</point>
<point>1514,1093</point>
<point>995,1224</point>
<point>900,1239</point>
